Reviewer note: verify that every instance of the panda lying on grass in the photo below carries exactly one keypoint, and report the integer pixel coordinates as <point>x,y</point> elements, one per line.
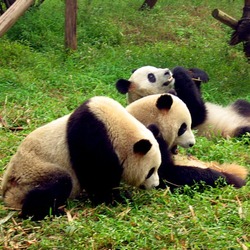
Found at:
<point>96,147</point>
<point>208,118</point>
<point>173,128</point>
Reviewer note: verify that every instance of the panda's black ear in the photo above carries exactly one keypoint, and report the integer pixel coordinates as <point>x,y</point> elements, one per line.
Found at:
<point>123,86</point>
<point>142,146</point>
<point>154,129</point>
<point>164,102</point>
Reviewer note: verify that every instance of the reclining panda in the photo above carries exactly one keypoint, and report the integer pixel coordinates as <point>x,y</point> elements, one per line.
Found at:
<point>170,121</point>
<point>208,118</point>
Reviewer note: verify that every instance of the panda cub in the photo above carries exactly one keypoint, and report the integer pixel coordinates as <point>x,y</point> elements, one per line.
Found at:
<point>169,119</point>
<point>93,149</point>
<point>208,118</point>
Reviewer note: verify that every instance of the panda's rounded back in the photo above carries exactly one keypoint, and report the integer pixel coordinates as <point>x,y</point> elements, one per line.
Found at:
<point>43,152</point>
<point>48,142</point>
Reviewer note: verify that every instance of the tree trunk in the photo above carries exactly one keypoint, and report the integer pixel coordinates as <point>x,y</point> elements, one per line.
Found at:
<point>148,4</point>
<point>70,24</point>
<point>10,16</point>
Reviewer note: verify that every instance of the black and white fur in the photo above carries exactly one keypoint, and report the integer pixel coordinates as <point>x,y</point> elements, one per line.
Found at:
<point>93,149</point>
<point>176,176</point>
<point>208,118</point>
<point>172,127</point>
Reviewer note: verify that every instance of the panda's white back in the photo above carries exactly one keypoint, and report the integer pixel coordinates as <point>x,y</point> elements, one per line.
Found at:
<point>39,151</point>
<point>221,121</point>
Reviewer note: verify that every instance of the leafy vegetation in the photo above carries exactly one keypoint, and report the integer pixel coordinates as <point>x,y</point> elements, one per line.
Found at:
<point>40,82</point>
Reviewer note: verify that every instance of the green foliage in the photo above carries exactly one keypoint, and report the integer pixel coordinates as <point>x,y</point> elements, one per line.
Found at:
<point>40,82</point>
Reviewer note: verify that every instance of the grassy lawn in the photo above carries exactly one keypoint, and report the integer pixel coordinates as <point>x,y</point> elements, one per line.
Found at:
<point>40,82</point>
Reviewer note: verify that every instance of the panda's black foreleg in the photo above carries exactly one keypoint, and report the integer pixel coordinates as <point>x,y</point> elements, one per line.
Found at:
<point>177,176</point>
<point>46,198</point>
<point>189,93</point>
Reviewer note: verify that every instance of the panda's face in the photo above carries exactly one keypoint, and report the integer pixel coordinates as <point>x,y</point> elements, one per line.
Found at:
<point>149,80</point>
<point>175,125</point>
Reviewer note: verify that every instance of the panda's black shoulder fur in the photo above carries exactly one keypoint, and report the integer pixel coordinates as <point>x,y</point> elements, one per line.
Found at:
<point>176,176</point>
<point>189,93</point>
<point>90,149</point>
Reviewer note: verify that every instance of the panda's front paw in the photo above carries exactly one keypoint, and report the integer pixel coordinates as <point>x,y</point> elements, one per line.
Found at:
<point>182,77</point>
<point>199,74</point>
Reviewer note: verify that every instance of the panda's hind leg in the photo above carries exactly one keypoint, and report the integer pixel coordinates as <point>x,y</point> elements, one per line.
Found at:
<point>46,198</point>
<point>240,131</point>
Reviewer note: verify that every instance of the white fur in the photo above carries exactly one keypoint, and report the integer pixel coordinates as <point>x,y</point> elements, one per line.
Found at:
<point>221,121</point>
<point>43,151</point>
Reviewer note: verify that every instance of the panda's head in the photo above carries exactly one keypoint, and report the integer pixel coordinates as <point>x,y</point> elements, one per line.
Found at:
<point>145,81</point>
<point>149,80</point>
<point>169,113</point>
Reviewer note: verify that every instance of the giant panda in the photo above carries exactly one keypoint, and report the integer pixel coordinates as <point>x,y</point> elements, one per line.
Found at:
<point>92,149</point>
<point>209,119</point>
<point>171,124</point>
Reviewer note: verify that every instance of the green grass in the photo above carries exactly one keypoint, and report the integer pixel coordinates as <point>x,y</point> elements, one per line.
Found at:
<point>40,82</point>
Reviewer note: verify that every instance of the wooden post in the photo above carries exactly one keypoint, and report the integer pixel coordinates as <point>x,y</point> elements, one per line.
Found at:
<point>10,16</point>
<point>70,24</point>
<point>225,18</point>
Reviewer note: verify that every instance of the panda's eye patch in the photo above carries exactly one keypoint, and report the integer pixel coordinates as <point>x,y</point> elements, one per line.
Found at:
<point>182,129</point>
<point>151,77</point>
<point>151,171</point>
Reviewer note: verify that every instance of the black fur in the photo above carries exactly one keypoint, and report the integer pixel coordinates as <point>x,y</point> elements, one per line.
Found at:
<point>142,146</point>
<point>240,131</point>
<point>242,107</point>
<point>175,176</point>
<point>198,76</point>
<point>188,92</point>
<point>123,86</point>
<point>92,155</point>
<point>164,102</point>
<point>47,197</point>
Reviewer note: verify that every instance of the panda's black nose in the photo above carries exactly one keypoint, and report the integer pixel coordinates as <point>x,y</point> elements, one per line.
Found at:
<point>191,145</point>
<point>142,187</point>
